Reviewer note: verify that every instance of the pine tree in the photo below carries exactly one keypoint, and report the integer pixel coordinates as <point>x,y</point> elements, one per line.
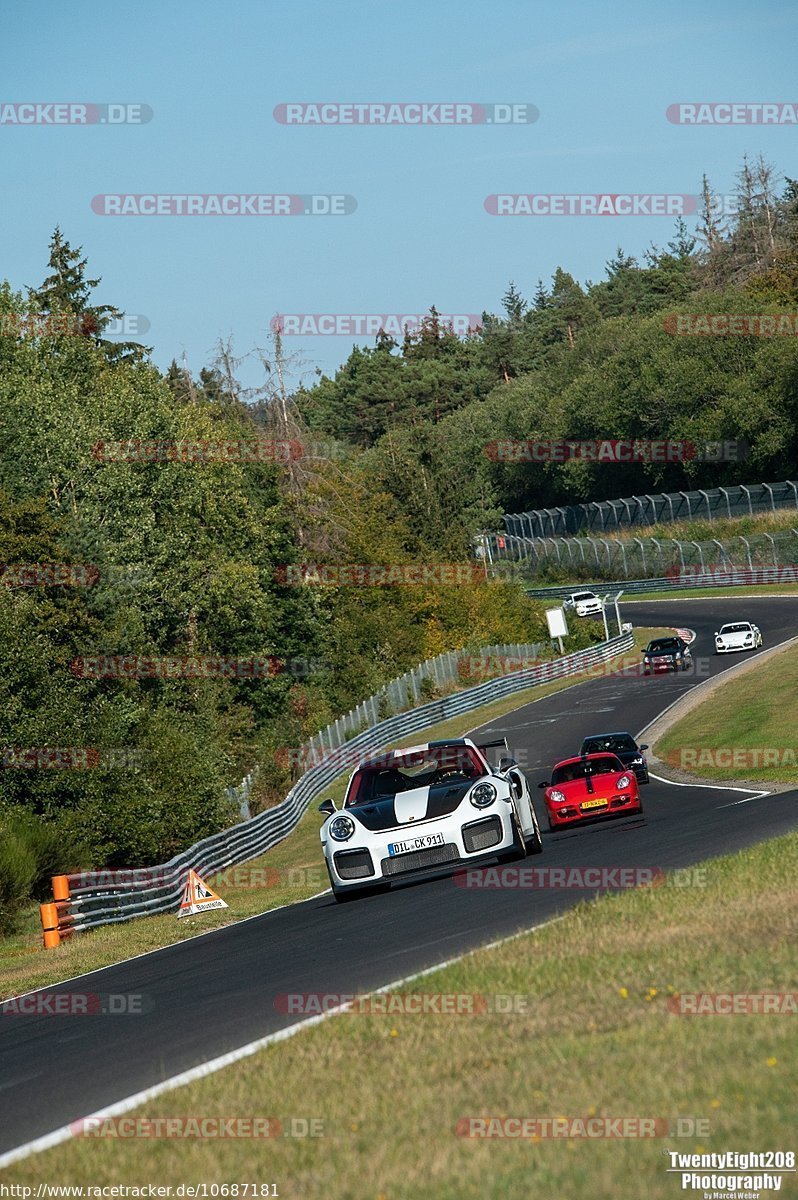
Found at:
<point>67,293</point>
<point>514,304</point>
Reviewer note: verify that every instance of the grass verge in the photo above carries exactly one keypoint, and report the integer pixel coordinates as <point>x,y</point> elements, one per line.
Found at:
<point>596,1035</point>
<point>292,871</point>
<point>745,730</point>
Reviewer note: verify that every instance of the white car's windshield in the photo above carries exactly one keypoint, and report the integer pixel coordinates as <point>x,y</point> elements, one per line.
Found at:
<point>418,769</point>
<point>740,627</point>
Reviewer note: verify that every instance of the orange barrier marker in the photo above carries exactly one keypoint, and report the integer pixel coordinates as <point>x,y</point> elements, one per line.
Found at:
<point>49,916</point>
<point>60,887</point>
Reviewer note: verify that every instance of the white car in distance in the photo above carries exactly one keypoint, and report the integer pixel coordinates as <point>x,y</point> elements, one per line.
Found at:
<point>584,604</point>
<point>737,635</point>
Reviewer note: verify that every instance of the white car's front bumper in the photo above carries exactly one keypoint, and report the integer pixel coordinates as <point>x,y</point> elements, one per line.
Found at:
<point>462,836</point>
<point>732,647</point>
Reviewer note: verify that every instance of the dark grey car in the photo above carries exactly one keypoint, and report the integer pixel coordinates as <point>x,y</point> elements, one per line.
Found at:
<point>624,747</point>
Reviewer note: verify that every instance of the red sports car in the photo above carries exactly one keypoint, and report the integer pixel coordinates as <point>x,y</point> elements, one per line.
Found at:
<point>590,786</point>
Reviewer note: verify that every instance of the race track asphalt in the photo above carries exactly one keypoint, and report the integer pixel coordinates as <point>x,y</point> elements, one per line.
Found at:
<point>216,993</point>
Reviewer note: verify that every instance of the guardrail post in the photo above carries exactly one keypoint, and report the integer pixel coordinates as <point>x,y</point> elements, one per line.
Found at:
<point>722,548</point>
<point>701,492</point>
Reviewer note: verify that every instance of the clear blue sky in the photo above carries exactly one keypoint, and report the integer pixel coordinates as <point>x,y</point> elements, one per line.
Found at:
<point>601,74</point>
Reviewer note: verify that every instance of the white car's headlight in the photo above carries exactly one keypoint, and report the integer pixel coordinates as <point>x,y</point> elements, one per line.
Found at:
<point>556,795</point>
<point>341,828</point>
<point>483,795</point>
<point>623,782</point>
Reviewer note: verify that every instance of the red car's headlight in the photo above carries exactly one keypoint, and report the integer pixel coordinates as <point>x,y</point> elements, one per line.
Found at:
<point>556,795</point>
<point>623,782</point>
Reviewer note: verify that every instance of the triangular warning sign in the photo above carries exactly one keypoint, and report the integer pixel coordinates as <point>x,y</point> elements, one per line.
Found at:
<point>198,897</point>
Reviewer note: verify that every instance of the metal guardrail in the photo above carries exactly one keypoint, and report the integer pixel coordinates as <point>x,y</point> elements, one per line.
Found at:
<point>409,690</point>
<point>97,898</point>
<point>737,577</point>
<point>742,500</point>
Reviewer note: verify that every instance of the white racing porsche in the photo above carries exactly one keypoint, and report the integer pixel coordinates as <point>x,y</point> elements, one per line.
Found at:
<point>424,808</point>
<point>737,635</point>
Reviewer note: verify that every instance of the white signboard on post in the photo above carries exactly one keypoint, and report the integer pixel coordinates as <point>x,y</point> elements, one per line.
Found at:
<point>558,628</point>
<point>556,622</point>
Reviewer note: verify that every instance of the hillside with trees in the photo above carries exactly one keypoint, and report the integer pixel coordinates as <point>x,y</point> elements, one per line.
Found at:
<point>187,554</point>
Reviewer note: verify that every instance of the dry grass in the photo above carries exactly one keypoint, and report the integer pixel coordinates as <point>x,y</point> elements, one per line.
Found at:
<point>750,715</point>
<point>597,1038</point>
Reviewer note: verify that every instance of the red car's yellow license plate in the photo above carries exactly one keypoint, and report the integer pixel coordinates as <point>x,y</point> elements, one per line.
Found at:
<point>593,804</point>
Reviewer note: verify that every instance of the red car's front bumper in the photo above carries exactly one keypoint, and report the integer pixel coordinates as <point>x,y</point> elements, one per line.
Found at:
<point>571,812</point>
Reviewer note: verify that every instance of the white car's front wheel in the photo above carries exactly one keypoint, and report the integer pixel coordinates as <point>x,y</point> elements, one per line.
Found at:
<point>518,849</point>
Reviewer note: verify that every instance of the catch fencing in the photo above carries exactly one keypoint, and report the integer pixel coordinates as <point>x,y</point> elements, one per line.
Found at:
<point>678,582</point>
<point>617,559</point>
<point>598,516</point>
<point>96,898</point>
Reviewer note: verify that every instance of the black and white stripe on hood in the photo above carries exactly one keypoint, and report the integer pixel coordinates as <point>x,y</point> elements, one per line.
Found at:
<point>419,804</point>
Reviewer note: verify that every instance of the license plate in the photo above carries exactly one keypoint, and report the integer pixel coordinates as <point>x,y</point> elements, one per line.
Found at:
<point>419,843</point>
<point>593,804</point>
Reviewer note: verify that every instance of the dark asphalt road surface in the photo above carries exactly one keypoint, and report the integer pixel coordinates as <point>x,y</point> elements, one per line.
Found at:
<point>217,992</point>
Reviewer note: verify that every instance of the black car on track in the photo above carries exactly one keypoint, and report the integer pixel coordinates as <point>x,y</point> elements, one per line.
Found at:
<point>667,654</point>
<point>623,746</point>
